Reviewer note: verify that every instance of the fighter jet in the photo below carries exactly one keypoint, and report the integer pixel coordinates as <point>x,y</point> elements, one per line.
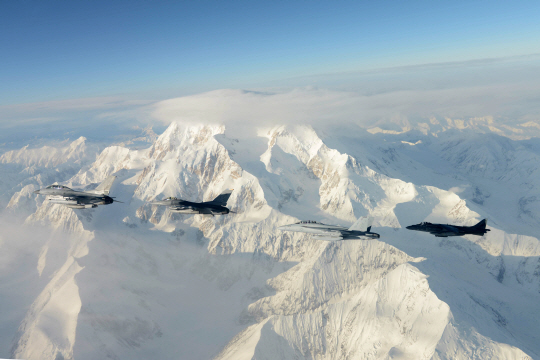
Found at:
<point>60,194</point>
<point>445,230</point>
<point>361,229</point>
<point>214,207</point>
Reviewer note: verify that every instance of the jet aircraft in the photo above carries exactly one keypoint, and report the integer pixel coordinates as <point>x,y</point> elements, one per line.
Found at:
<point>60,194</point>
<point>445,230</point>
<point>361,229</point>
<point>214,207</point>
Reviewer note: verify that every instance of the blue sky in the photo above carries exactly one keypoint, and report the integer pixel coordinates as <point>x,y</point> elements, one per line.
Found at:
<point>54,50</point>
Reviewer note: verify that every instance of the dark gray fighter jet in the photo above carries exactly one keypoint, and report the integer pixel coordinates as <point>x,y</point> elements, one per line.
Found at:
<point>214,207</point>
<point>445,230</point>
<point>60,194</point>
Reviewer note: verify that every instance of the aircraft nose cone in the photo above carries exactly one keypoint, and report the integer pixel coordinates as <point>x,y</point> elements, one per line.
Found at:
<point>36,192</point>
<point>410,227</point>
<point>284,227</point>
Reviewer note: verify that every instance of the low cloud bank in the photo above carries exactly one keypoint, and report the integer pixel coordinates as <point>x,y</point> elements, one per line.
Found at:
<point>505,90</point>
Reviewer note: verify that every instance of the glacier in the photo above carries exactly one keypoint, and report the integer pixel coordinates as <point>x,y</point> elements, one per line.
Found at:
<point>135,281</point>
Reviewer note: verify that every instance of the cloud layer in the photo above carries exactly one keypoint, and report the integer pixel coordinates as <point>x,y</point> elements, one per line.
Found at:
<point>504,89</point>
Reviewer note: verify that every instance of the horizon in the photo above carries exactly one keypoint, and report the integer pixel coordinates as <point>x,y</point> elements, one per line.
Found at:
<point>63,50</point>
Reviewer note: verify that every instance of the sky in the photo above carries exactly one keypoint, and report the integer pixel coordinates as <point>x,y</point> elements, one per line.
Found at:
<point>153,50</point>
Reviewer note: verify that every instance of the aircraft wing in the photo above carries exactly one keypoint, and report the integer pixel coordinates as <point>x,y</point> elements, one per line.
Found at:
<point>58,199</point>
<point>343,235</point>
<point>73,199</point>
<point>205,211</point>
<point>177,202</point>
<point>161,202</point>
<point>450,228</point>
<point>87,199</point>
<point>444,231</point>
<point>328,236</point>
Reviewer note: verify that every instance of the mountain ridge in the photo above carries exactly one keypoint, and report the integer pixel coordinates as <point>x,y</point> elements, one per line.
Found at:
<point>292,296</point>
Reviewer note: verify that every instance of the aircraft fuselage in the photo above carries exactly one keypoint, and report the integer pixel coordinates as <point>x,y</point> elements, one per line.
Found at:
<point>328,232</point>
<point>445,230</point>
<point>188,207</point>
<point>75,199</point>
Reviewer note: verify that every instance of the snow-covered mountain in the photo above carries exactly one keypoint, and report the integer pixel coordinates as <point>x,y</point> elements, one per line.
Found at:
<point>29,168</point>
<point>136,281</point>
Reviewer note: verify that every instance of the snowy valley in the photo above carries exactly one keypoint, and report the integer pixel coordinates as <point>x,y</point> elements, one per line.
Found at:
<point>135,281</point>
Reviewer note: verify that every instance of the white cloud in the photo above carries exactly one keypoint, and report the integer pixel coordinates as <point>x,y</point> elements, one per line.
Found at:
<point>324,107</point>
<point>237,106</point>
<point>505,90</point>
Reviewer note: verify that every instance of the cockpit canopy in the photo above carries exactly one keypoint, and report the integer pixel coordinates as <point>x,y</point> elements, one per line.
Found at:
<point>58,187</point>
<point>170,198</point>
<point>308,222</point>
<point>425,223</point>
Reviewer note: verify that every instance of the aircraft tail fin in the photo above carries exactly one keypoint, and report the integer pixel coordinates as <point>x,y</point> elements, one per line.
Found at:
<point>222,198</point>
<point>105,186</point>
<point>362,224</point>
<point>481,225</point>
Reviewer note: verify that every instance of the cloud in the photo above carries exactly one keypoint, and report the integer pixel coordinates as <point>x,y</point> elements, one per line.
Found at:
<point>62,109</point>
<point>99,119</point>
<point>230,106</point>
<point>325,107</point>
<point>503,89</point>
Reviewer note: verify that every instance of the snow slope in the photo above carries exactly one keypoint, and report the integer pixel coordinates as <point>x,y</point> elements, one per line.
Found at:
<point>31,168</point>
<point>136,281</point>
